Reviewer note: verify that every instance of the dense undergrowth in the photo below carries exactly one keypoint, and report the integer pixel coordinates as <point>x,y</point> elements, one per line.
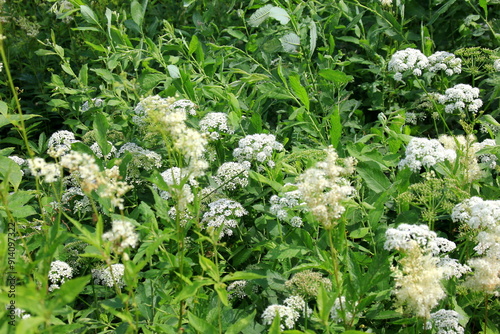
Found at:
<point>250,166</point>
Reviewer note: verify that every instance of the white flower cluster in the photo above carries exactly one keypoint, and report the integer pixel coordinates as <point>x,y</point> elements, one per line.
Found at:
<point>257,148</point>
<point>122,235</point>
<point>60,143</point>
<point>289,312</point>
<point>445,322</point>
<point>141,158</point>
<point>339,310</point>
<point>237,289</point>
<point>324,187</point>
<point>214,124</point>
<point>221,215</point>
<point>290,199</point>
<point>489,160</point>
<point>98,152</point>
<point>413,61</point>
<point>496,65</point>
<point>399,239</point>
<point>50,172</point>
<point>408,60</point>
<point>96,102</point>
<point>17,160</point>
<point>59,272</point>
<point>445,61</point>
<point>232,175</point>
<point>425,152</point>
<point>461,97</point>
<point>288,315</point>
<point>81,203</point>
<point>483,216</point>
<point>110,277</point>
<point>180,184</point>
<point>418,277</point>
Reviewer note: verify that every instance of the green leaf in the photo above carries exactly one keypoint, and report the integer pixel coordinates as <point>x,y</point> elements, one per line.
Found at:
<point>191,290</point>
<point>101,126</point>
<point>279,14</point>
<point>298,90</point>
<point>241,275</point>
<point>262,179</point>
<point>173,71</point>
<point>259,16</point>
<point>83,75</point>
<point>313,37</point>
<point>290,42</point>
<point>372,174</point>
<point>336,127</point>
<point>276,325</point>
<point>148,81</point>
<point>193,45</point>
<point>241,324</point>
<point>201,325</point>
<point>68,291</point>
<point>89,15</point>
<point>221,290</point>
<point>338,77</point>
<point>137,13</point>
<point>10,172</point>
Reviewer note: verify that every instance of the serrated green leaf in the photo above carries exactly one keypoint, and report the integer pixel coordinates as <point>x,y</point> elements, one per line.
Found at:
<point>193,45</point>
<point>372,174</point>
<point>290,42</point>
<point>279,14</point>
<point>298,90</point>
<point>259,16</point>
<point>201,325</point>
<point>89,15</point>
<point>338,77</point>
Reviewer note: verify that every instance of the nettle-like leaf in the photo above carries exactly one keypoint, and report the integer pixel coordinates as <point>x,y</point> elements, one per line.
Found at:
<point>290,42</point>
<point>267,11</point>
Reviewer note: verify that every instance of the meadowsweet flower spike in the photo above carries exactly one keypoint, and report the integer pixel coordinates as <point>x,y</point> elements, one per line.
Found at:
<point>325,187</point>
<point>51,172</point>
<point>122,235</point>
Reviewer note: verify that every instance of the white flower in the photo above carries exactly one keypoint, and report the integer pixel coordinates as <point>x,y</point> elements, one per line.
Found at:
<point>298,304</point>
<point>98,152</point>
<point>232,175</point>
<point>408,60</point>
<point>214,124</point>
<point>221,214</point>
<point>452,268</point>
<point>122,235</point>
<point>461,98</point>
<point>287,315</point>
<point>496,65</point>
<point>425,152</point>
<point>445,61</point>
<point>445,322</point>
<point>60,143</point>
<point>141,157</point>
<point>108,277</point>
<point>257,148</point>
<point>175,177</point>
<point>339,308</point>
<point>477,213</point>
<point>486,277</point>
<point>399,239</point>
<point>237,289</point>
<point>51,172</point>
<point>59,272</point>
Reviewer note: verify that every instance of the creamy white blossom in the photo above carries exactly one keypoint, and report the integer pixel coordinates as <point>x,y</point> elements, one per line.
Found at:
<point>423,152</point>
<point>51,172</point>
<point>288,315</point>
<point>461,97</point>
<point>109,277</point>
<point>122,235</point>
<point>221,215</point>
<point>59,272</point>
<point>496,65</point>
<point>445,61</point>
<point>407,61</point>
<point>477,213</point>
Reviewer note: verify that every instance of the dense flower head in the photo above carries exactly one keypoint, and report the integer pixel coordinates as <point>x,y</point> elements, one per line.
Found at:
<point>180,183</point>
<point>445,61</point>
<point>477,213</point>
<point>400,239</point>
<point>325,186</point>
<point>289,199</point>
<point>288,315</point>
<point>486,275</point>
<point>17,160</point>
<point>418,282</point>
<point>237,289</point>
<point>109,277</point>
<point>496,65</point>
<point>423,152</point>
<point>98,152</point>
<point>222,214</point>
<point>445,322</point>
<point>339,311</point>
<point>408,60</point>
<point>51,172</point>
<point>141,157</point>
<point>298,304</point>
<point>122,235</point>
<point>232,175</point>
<point>307,283</point>
<point>60,143</point>
<point>257,148</point>
<point>59,272</point>
<point>452,268</point>
<point>214,124</point>
<point>461,97</point>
